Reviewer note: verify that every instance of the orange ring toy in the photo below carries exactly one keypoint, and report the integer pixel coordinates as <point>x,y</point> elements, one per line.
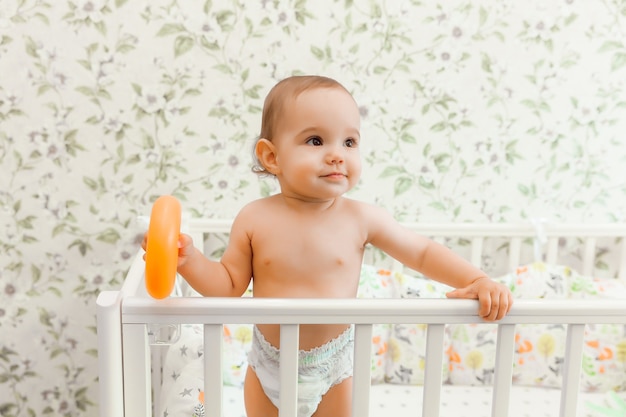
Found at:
<point>162,246</point>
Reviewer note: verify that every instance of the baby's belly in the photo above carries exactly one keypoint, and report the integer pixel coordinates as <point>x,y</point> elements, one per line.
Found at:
<point>310,335</point>
<point>302,285</point>
<point>306,286</point>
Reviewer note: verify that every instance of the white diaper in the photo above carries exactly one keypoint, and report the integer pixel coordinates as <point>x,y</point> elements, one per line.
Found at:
<point>318,369</point>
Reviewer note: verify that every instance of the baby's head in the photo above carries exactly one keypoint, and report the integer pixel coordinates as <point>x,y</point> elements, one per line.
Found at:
<point>283,93</point>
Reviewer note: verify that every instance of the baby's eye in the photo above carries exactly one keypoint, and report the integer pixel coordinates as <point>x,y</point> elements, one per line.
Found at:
<point>315,141</point>
<point>351,143</point>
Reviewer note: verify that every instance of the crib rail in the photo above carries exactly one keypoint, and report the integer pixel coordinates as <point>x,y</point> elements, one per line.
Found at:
<point>214,312</point>
<point>219,310</point>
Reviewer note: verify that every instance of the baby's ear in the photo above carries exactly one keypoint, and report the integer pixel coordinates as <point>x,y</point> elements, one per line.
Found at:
<point>265,152</point>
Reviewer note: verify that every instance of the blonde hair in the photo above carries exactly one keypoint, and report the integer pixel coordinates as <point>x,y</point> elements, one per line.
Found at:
<point>288,88</point>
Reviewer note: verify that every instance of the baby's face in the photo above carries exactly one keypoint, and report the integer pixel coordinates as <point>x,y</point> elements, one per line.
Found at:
<point>317,144</point>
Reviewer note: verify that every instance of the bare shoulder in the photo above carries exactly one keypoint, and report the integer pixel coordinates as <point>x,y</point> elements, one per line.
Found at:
<point>249,214</point>
<point>374,217</point>
<point>367,210</point>
<point>263,208</point>
<point>252,207</point>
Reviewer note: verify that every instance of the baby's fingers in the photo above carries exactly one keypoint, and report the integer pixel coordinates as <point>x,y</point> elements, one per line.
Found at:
<point>185,245</point>
<point>487,306</point>
<point>144,244</point>
<point>495,304</point>
<point>185,248</point>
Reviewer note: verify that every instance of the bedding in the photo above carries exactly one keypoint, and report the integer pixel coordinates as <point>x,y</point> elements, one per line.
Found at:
<point>398,351</point>
<point>456,401</point>
<point>540,349</point>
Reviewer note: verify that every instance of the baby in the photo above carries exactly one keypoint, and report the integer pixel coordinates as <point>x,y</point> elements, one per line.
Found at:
<point>308,241</point>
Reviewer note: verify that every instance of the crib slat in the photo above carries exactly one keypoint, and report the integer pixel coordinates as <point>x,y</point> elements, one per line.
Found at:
<point>477,251</point>
<point>213,369</point>
<point>288,370</point>
<point>136,370</point>
<point>505,346</point>
<point>589,256</point>
<point>571,375</point>
<point>515,253</point>
<point>621,272</point>
<point>362,370</point>
<point>157,356</point>
<point>198,239</point>
<point>553,250</point>
<point>432,370</point>
<point>110,354</point>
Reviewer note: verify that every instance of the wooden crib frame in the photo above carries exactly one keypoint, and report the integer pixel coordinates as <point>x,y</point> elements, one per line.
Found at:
<point>126,381</point>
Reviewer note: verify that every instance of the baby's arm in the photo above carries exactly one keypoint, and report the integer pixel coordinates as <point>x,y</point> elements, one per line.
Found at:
<point>440,263</point>
<point>228,277</point>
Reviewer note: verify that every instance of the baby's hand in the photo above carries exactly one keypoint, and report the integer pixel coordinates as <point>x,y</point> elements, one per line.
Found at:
<point>494,299</point>
<point>185,247</point>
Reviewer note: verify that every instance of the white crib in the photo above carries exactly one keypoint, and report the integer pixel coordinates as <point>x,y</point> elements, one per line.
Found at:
<point>128,387</point>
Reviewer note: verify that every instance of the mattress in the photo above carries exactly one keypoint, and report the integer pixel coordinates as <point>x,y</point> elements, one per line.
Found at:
<point>459,401</point>
<point>182,396</point>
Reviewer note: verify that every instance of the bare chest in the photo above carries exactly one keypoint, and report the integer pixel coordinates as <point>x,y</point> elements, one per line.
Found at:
<point>329,244</point>
<point>308,256</point>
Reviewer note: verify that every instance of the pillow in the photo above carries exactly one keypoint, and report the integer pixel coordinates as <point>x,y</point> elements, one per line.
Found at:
<point>377,283</point>
<point>190,347</point>
<point>407,342</point>
<point>604,351</point>
<point>418,286</point>
<point>407,355</point>
<point>471,354</point>
<point>539,355</point>
<point>473,346</point>
<point>182,393</point>
<point>237,344</point>
<point>588,287</point>
<point>539,280</point>
<point>185,397</point>
<point>187,348</point>
<point>604,358</point>
<point>539,348</point>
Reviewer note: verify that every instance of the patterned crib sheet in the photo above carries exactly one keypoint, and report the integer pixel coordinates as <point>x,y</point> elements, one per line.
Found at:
<point>456,401</point>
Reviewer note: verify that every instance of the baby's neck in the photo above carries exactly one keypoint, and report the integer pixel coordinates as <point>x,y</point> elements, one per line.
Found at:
<point>304,204</point>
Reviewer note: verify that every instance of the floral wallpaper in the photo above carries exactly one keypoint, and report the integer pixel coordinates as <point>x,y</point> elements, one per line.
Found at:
<point>483,110</point>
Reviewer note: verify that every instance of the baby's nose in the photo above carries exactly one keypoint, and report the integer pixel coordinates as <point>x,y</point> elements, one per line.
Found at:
<point>336,155</point>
